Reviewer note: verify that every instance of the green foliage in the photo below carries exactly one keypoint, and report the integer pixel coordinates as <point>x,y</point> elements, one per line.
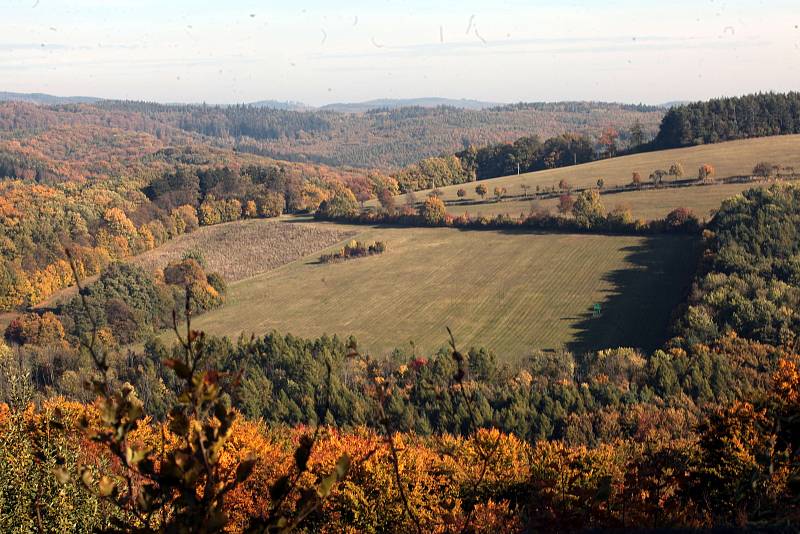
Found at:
<point>724,119</point>
<point>750,282</point>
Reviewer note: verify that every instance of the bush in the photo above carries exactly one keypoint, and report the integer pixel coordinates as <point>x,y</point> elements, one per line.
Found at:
<point>763,169</point>
<point>216,281</point>
<point>354,249</point>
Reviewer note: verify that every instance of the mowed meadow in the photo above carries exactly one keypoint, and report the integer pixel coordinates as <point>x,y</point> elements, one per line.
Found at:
<point>732,158</point>
<point>647,204</point>
<point>510,292</point>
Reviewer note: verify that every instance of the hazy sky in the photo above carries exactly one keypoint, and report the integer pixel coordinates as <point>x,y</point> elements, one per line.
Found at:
<point>324,51</point>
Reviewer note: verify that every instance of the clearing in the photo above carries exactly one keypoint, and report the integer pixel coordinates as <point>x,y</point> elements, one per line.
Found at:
<point>510,292</point>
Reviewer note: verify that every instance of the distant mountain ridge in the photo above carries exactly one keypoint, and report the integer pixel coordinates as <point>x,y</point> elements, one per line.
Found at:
<point>45,99</point>
<point>288,105</point>
<point>393,103</point>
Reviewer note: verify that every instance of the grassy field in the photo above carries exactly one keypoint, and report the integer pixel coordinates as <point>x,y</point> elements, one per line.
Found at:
<point>510,292</point>
<point>645,205</point>
<point>733,158</point>
<point>244,249</point>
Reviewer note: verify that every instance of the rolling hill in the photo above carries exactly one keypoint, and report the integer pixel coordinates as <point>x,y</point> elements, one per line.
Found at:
<point>732,158</point>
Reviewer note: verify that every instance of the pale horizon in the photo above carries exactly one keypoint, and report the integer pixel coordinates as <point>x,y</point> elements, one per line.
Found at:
<point>310,52</point>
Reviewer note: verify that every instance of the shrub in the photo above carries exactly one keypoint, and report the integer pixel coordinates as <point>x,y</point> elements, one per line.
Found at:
<point>681,219</point>
<point>196,255</point>
<point>763,169</point>
<point>354,249</point>
<point>461,192</point>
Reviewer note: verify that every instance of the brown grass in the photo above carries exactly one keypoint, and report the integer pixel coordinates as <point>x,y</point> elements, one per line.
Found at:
<point>646,205</point>
<point>246,248</point>
<point>733,158</point>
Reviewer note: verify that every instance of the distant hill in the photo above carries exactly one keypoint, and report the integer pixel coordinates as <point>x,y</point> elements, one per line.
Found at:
<point>674,103</point>
<point>390,103</point>
<point>45,99</point>
<point>286,106</point>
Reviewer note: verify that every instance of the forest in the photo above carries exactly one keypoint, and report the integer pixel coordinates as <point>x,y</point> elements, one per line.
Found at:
<point>725,119</point>
<point>382,138</point>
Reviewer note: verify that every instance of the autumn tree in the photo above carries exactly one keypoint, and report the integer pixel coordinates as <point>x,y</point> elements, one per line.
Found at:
<point>608,140</point>
<point>433,211</point>
<point>636,134</point>
<point>386,199</point>
<point>481,190</point>
<point>676,171</point>
<point>763,169</point>
<point>636,179</point>
<point>706,172</point>
<point>461,193</point>
<point>565,203</point>
<point>657,176</point>
<point>588,210</point>
<point>342,204</point>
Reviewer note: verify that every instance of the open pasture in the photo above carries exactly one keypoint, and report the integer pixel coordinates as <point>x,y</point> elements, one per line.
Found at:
<point>510,292</point>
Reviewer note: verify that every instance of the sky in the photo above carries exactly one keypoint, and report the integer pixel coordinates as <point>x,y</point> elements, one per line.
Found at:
<point>319,52</point>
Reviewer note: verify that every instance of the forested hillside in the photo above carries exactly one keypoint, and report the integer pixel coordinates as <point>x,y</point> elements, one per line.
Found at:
<point>725,119</point>
<point>388,138</point>
<point>112,185</point>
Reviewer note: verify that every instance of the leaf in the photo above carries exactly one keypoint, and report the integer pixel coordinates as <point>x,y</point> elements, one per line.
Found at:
<point>61,475</point>
<point>180,368</point>
<point>342,466</point>
<point>179,423</point>
<point>87,478</point>
<point>280,488</point>
<point>244,469</point>
<point>106,486</point>
<point>303,452</point>
<point>134,456</point>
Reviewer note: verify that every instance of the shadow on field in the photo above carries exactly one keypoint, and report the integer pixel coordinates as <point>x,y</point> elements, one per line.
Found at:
<point>637,310</point>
